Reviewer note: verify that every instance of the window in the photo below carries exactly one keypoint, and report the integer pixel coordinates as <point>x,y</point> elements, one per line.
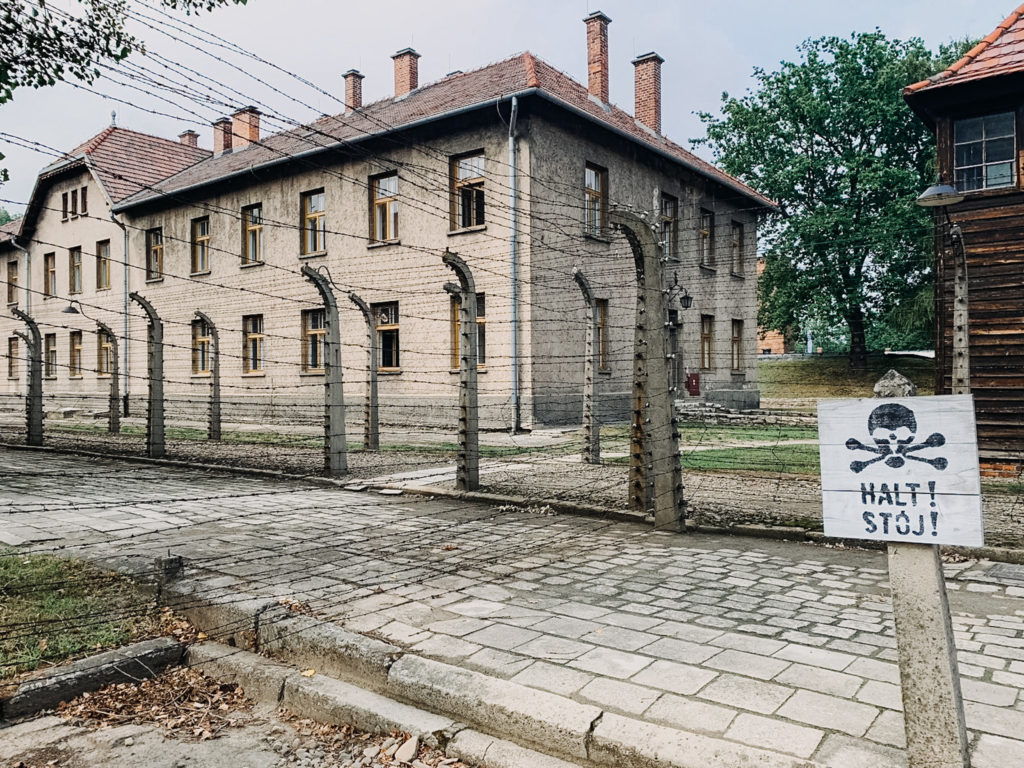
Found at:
<point>595,200</point>
<point>50,355</point>
<point>602,335</point>
<point>202,345</point>
<point>12,282</point>
<point>83,207</point>
<point>154,253</point>
<point>252,342</point>
<point>670,226</point>
<point>314,223</point>
<point>481,331</point>
<point>103,265</point>
<point>736,250</point>
<point>706,238</point>
<point>64,206</point>
<point>983,149</point>
<point>200,245</point>
<point>737,345</point>
<point>314,334</point>
<point>74,203</point>
<point>104,353</point>
<point>12,357</point>
<point>385,317</point>
<point>252,234</point>
<point>50,274</point>
<point>468,191</point>
<point>707,328</point>
<point>384,202</point>
<point>75,354</point>
<point>75,270</point>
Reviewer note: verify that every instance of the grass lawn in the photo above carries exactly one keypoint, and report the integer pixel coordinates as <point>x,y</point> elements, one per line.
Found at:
<point>53,608</point>
<point>831,376</point>
<point>788,459</point>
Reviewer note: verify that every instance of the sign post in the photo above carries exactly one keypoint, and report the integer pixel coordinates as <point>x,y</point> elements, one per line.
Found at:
<point>905,470</point>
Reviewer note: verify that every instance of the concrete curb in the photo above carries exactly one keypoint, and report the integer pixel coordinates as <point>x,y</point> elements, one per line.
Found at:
<point>124,665</point>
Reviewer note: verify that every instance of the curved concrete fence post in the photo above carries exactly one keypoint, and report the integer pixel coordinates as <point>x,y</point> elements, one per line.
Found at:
<point>156,447</point>
<point>371,425</point>
<point>467,471</point>
<point>114,397</point>
<point>591,421</point>
<point>213,413</point>
<point>34,397</point>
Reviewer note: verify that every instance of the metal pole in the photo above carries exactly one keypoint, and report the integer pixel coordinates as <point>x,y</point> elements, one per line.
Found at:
<point>155,445</point>
<point>467,473</point>
<point>371,427</point>
<point>114,400</point>
<point>591,422</point>
<point>335,449</point>
<point>34,400</point>
<point>656,475</point>
<point>213,430</point>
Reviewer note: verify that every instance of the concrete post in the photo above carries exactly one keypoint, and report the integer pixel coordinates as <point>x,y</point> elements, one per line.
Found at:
<point>114,398</point>
<point>656,475</point>
<point>213,429</point>
<point>371,426</point>
<point>156,447</point>
<point>961,335</point>
<point>467,472</point>
<point>933,710</point>
<point>335,449</point>
<point>591,422</point>
<point>34,400</point>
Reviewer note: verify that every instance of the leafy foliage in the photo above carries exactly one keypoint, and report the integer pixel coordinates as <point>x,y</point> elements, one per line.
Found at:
<point>830,139</point>
<point>5,217</point>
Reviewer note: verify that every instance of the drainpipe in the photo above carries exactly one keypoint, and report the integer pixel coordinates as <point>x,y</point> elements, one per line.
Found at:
<point>125,346</point>
<point>28,275</point>
<point>513,257</point>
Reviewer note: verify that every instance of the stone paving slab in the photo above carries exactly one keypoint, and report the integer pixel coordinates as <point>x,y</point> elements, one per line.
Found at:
<point>713,635</point>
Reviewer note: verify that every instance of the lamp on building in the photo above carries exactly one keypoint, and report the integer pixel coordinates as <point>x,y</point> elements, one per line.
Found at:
<point>939,196</point>
<point>70,308</point>
<point>114,416</point>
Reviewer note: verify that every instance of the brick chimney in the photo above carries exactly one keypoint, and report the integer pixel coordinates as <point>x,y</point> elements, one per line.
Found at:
<point>597,55</point>
<point>647,69</point>
<point>245,125</point>
<point>407,71</point>
<point>189,138</point>
<point>222,136</point>
<point>353,89</point>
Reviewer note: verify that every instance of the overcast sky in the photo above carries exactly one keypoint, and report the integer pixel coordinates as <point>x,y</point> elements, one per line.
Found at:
<point>709,47</point>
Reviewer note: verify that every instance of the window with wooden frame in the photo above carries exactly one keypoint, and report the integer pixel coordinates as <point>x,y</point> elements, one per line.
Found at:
<point>200,245</point>
<point>154,253</point>
<point>64,206</point>
<point>467,186</point>
<point>595,200</point>
<point>603,363</point>
<point>706,238</point>
<point>83,201</point>
<point>983,152</point>
<point>75,270</point>
<point>252,344</point>
<point>12,357</point>
<point>385,318</point>
<point>314,336</point>
<point>50,274</point>
<point>202,347</point>
<point>12,282</point>
<point>670,227</point>
<point>50,355</point>
<point>104,353</point>
<point>384,208</point>
<point>103,265</point>
<point>736,249</point>
<point>74,203</point>
<point>252,234</point>
<point>707,330</point>
<point>75,354</point>
<point>737,346</point>
<point>314,222</point>
<point>481,331</point>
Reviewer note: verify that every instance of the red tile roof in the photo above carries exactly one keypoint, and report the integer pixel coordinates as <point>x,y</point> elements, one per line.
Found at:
<point>1000,53</point>
<point>128,161</point>
<point>11,229</point>
<point>454,93</point>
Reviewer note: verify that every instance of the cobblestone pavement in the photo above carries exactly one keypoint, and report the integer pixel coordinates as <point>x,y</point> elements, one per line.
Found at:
<point>785,646</point>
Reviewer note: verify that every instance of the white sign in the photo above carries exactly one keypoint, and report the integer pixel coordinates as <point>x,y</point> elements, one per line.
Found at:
<point>901,469</point>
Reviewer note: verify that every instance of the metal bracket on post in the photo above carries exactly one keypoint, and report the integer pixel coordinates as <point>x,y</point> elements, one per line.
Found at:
<point>371,427</point>
<point>655,474</point>
<point>335,455</point>
<point>591,422</point>
<point>34,399</point>
<point>467,473</point>
<point>961,329</point>
<point>213,430</point>
<point>155,445</point>
<point>114,398</point>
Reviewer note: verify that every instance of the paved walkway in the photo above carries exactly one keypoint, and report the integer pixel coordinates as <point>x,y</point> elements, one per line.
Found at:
<point>784,646</point>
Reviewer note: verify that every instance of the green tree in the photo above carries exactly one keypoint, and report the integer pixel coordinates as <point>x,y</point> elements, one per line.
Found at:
<point>5,217</point>
<point>830,139</point>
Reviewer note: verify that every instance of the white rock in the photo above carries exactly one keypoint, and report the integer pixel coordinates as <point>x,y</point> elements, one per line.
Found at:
<point>371,751</point>
<point>408,751</point>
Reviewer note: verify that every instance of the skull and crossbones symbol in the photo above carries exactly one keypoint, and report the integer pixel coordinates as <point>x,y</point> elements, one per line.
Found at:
<point>893,428</point>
